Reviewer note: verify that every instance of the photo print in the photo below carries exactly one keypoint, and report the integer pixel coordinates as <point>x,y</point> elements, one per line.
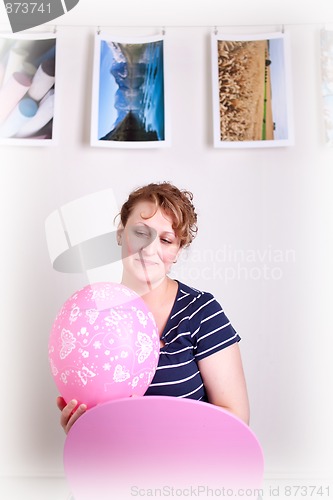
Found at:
<point>27,89</point>
<point>129,92</point>
<point>251,91</point>
<point>326,44</point>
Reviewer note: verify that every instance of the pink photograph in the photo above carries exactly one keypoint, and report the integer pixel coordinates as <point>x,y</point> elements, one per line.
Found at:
<point>326,47</point>
<point>27,89</point>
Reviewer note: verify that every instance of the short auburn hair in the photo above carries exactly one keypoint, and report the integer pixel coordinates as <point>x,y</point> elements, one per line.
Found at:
<point>176,203</point>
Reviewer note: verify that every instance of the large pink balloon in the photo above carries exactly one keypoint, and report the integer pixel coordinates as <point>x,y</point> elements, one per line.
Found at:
<point>104,345</point>
<point>176,447</point>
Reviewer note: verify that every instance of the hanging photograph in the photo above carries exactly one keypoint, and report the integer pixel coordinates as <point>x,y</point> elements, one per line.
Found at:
<point>326,40</point>
<point>251,91</point>
<point>27,89</point>
<point>129,93</point>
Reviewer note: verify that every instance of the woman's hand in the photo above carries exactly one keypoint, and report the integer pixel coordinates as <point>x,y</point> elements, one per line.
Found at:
<point>69,412</point>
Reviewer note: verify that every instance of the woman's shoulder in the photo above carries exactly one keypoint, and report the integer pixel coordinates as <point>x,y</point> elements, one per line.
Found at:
<point>201,308</point>
<point>189,294</point>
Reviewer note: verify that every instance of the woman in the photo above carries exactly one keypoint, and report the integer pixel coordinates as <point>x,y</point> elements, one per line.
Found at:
<point>199,356</point>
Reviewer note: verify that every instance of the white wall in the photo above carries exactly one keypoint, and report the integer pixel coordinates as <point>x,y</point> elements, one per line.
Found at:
<point>269,202</point>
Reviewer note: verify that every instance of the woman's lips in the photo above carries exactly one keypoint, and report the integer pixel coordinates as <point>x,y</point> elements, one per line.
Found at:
<point>145,262</point>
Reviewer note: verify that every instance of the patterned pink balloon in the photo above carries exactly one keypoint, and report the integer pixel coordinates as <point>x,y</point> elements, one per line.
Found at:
<point>104,345</point>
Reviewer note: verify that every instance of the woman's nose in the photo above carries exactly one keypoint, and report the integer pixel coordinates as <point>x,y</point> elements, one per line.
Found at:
<point>153,247</point>
<point>140,239</point>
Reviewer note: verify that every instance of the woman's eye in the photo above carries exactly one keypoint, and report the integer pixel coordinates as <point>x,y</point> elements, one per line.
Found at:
<point>166,241</point>
<point>142,234</point>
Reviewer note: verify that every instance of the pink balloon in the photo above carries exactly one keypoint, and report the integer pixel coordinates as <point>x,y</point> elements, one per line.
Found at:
<point>179,446</point>
<point>103,345</point>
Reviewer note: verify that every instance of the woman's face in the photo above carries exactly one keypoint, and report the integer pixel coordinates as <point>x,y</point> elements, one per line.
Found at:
<point>149,246</point>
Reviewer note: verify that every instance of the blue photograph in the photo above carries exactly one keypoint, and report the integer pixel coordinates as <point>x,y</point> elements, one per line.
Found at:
<point>130,94</point>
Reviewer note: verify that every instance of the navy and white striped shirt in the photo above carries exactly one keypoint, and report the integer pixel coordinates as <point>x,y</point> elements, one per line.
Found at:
<point>196,328</point>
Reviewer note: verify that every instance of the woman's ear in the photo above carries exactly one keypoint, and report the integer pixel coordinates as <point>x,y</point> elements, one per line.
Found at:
<point>119,235</point>
<point>177,255</point>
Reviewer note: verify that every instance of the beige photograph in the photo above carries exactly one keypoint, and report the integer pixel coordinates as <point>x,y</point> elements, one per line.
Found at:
<point>251,104</point>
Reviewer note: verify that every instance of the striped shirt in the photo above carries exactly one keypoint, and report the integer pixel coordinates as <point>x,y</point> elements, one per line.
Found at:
<point>197,327</point>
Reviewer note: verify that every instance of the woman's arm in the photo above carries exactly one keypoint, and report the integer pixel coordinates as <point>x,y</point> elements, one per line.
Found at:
<point>224,381</point>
